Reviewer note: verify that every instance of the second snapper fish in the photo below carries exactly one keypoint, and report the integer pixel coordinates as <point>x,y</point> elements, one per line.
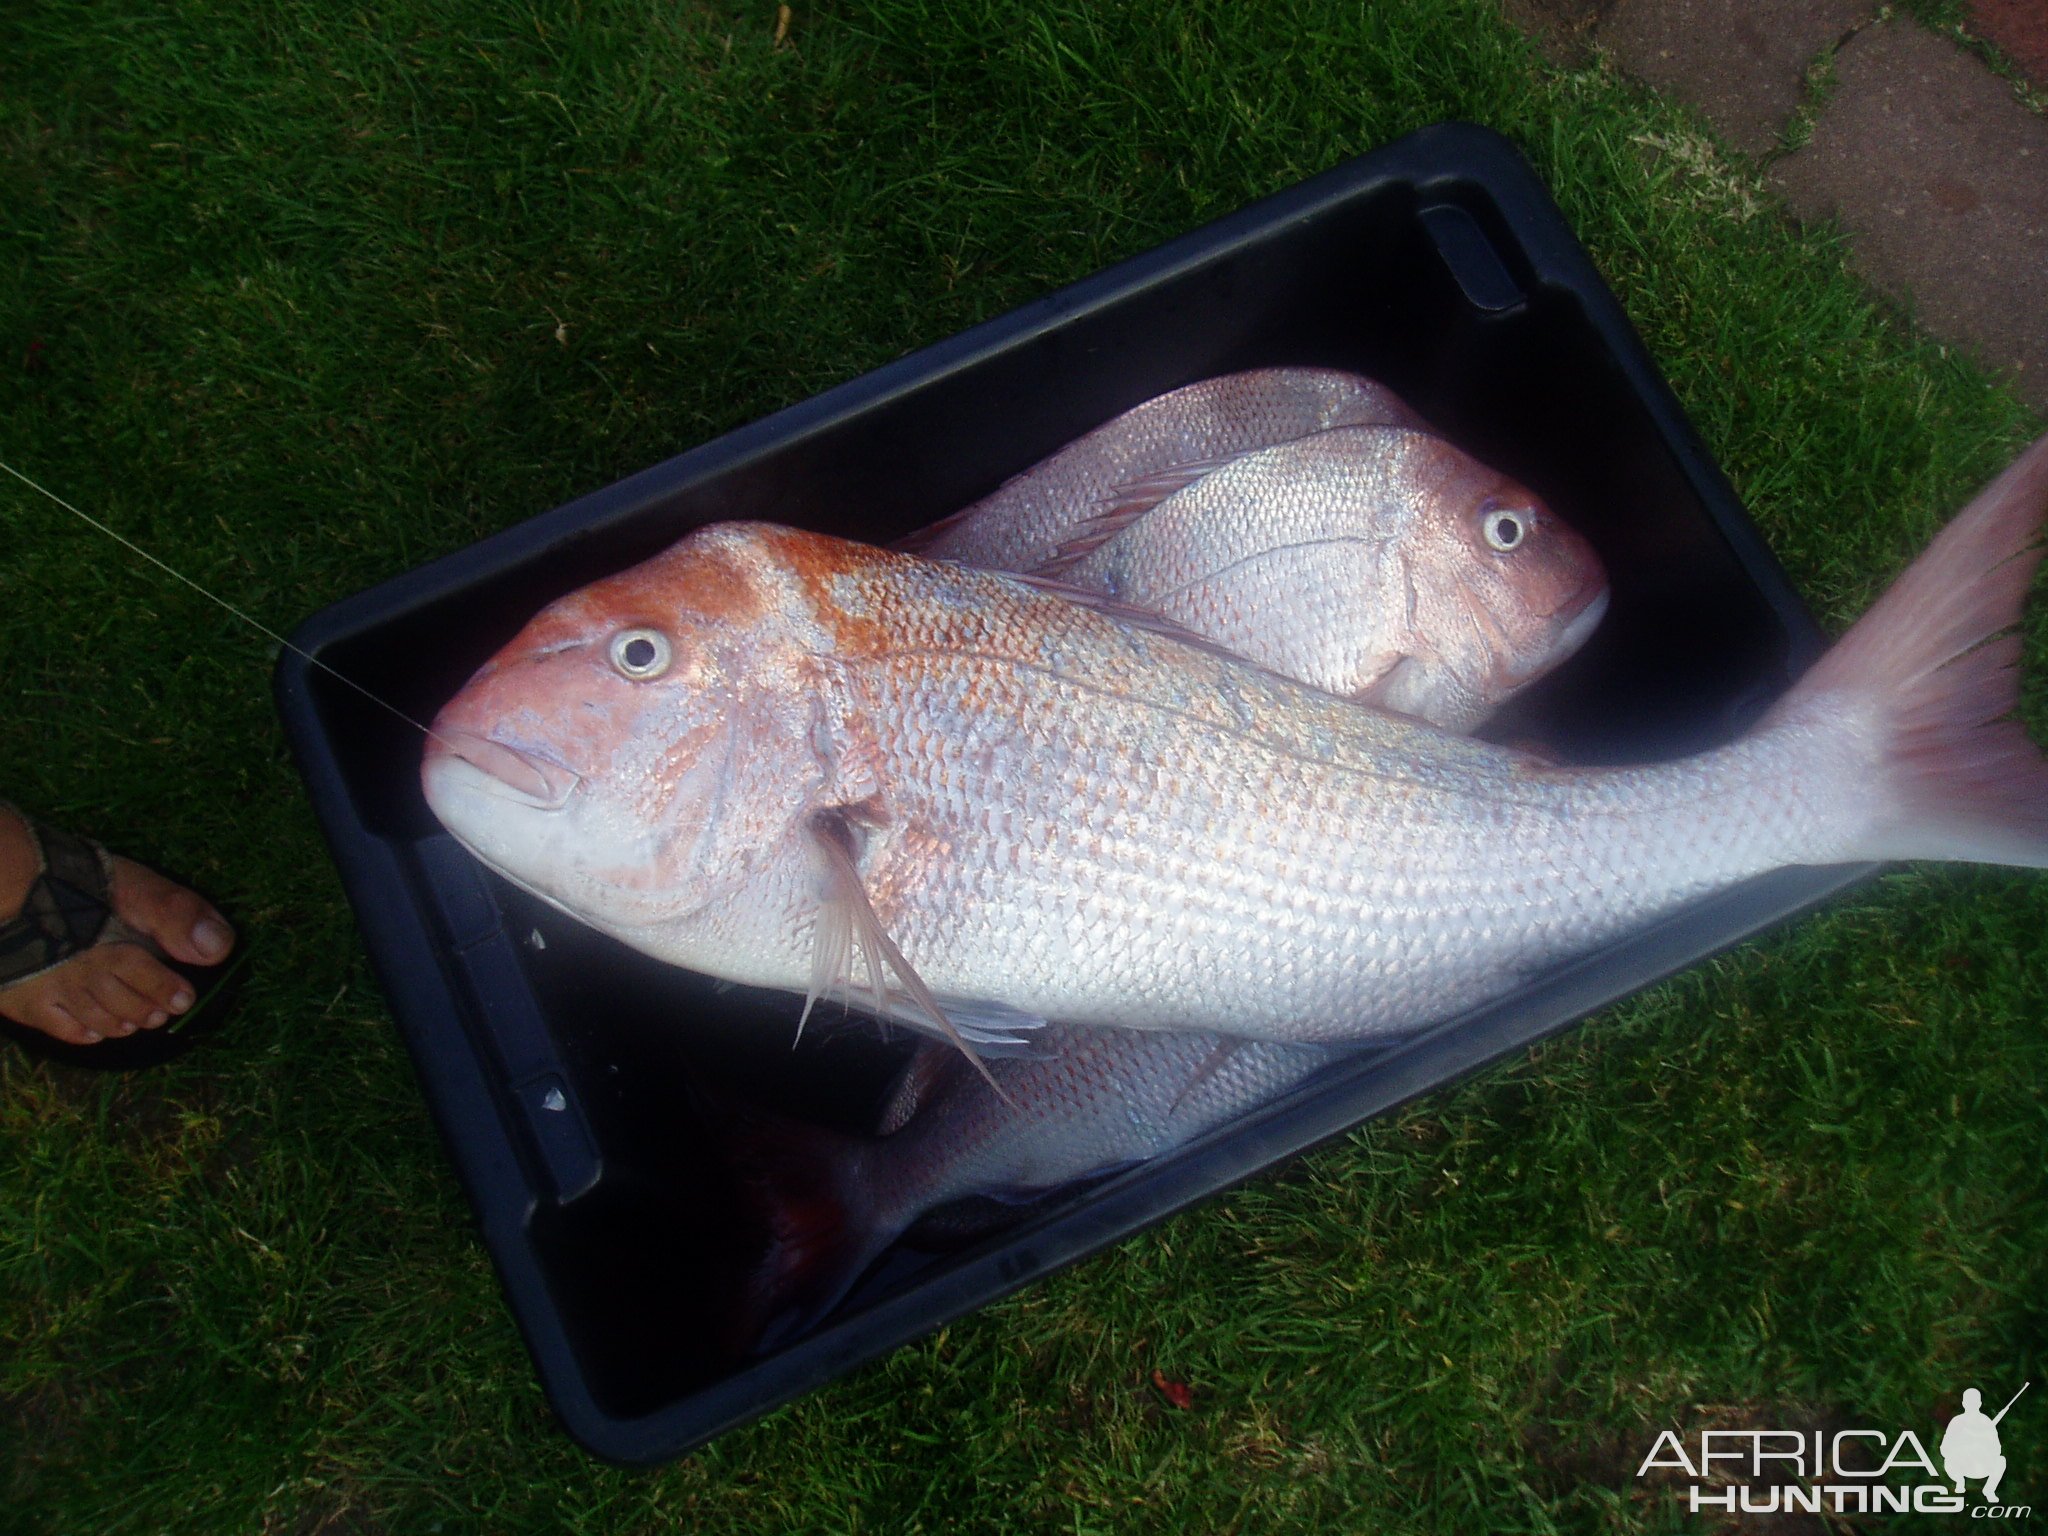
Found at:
<point>1305,519</point>
<point>765,751</point>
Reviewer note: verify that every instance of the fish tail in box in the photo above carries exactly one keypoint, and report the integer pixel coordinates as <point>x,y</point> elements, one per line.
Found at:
<point>807,1188</point>
<point>1923,688</point>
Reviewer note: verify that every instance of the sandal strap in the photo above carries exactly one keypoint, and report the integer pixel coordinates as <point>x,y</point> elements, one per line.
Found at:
<point>68,907</point>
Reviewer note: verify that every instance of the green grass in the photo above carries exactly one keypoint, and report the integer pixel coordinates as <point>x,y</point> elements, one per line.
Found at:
<point>316,293</point>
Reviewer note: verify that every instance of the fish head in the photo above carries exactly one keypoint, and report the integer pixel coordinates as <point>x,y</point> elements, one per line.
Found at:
<point>647,744</point>
<point>1500,590</point>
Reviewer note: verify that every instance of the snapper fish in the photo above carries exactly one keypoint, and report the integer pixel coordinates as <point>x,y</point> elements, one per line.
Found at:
<point>1303,518</point>
<point>766,748</point>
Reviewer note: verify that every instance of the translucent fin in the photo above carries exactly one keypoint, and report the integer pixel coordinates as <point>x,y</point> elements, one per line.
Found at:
<point>1382,687</point>
<point>1083,539</point>
<point>831,955</point>
<point>1134,499</point>
<point>846,902</point>
<point>1930,674</point>
<point>992,1024</point>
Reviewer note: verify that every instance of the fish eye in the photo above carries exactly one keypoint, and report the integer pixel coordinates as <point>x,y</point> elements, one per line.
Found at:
<point>1504,528</point>
<point>641,653</point>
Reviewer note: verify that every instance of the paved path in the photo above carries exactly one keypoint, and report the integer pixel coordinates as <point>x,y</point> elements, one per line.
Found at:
<point>1932,163</point>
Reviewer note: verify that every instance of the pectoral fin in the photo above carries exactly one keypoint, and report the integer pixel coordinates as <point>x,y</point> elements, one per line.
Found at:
<point>1134,498</point>
<point>846,917</point>
<point>1126,504</point>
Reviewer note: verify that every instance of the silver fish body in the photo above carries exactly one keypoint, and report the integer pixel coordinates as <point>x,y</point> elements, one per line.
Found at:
<point>1116,831</point>
<point>1055,815</point>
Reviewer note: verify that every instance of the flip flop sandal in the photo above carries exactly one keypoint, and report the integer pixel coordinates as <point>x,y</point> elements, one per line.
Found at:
<point>68,909</point>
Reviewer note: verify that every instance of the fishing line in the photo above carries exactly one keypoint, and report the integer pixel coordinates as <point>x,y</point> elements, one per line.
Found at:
<point>254,624</point>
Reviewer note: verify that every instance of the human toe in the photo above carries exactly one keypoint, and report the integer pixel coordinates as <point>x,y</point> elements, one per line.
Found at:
<point>129,1009</point>
<point>88,1013</point>
<point>54,1020</point>
<point>180,920</point>
<point>162,988</point>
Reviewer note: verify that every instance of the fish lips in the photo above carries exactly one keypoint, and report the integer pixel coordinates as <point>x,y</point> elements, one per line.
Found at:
<point>1595,595</point>
<point>1581,628</point>
<point>508,772</point>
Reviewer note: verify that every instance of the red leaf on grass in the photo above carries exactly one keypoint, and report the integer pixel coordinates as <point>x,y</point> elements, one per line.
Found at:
<point>1177,1393</point>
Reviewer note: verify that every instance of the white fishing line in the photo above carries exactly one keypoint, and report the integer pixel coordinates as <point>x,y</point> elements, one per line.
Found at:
<point>254,624</point>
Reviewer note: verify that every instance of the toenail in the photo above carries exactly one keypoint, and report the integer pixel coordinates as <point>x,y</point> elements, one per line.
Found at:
<point>92,1037</point>
<point>127,1026</point>
<point>210,936</point>
<point>157,1016</point>
<point>181,1000</point>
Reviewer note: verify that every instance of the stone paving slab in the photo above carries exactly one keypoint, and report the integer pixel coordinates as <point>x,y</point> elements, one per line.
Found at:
<point>1742,63</point>
<point>2019,28</point>
<point>1932,165</point>
<point>1939,176</point>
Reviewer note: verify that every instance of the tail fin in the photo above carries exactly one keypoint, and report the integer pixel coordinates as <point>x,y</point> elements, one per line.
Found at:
<point>1932,673</point>
<point>806,1185</point>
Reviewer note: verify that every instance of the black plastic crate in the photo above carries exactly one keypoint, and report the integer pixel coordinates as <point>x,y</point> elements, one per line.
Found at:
<point>566,1073</point>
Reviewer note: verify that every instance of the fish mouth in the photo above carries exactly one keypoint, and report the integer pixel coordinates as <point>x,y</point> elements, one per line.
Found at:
<point>1524,670</point>
<point>508,772</point>
<point>1581,628</point>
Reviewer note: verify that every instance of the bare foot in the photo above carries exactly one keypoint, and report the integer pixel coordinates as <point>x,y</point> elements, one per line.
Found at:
<point>110,989</point>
